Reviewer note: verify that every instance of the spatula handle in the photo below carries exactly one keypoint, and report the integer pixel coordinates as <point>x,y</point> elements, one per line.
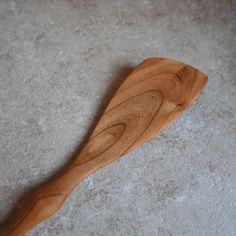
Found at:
<point>44,202</point>
<point>48,199</point>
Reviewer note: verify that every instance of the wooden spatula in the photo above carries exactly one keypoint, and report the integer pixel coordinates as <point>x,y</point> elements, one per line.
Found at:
<point>152,96</point>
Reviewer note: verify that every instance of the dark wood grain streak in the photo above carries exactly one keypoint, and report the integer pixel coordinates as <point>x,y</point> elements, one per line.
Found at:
<point>153,96</point>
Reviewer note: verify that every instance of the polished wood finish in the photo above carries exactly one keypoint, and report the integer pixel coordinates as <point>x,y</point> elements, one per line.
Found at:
<point>152,96</point>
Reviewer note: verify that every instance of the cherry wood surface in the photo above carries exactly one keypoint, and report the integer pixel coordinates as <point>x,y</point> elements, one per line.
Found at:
<point>153,95</point>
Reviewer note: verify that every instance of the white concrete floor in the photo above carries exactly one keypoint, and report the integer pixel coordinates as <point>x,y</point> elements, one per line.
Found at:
<point>59,59</point>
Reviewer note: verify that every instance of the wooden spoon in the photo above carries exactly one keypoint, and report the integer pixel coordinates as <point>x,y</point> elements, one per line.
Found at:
<point>152,96</point>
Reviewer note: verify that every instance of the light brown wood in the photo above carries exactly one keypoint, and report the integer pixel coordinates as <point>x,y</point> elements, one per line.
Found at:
<point>152,96</point>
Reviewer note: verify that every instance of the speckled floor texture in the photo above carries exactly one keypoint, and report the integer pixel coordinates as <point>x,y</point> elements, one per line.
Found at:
<point>60,59</point>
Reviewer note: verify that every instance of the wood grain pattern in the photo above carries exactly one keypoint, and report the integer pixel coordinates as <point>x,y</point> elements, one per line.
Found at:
<point>152,96</point>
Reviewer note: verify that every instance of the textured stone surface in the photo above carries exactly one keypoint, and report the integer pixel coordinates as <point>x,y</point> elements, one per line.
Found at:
<point>58,61</point>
